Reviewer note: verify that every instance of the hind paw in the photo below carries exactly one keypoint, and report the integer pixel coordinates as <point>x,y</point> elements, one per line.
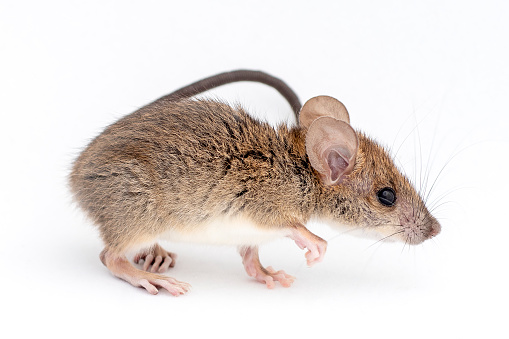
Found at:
<point>157,259</point>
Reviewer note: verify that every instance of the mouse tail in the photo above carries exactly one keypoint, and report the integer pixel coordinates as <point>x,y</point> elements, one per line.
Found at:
<point>236,76</point>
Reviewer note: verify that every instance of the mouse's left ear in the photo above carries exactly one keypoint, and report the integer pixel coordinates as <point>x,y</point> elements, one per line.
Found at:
<point>322,106</point>
<point>331,146</point>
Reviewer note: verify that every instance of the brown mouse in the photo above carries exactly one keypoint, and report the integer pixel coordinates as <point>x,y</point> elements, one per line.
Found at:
<point>203,171</point>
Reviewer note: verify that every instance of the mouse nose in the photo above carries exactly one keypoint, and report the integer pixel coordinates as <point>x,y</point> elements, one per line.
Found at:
<point>435,229</point>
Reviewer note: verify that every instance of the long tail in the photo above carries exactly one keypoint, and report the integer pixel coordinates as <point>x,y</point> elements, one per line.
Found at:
<point>235,76</point>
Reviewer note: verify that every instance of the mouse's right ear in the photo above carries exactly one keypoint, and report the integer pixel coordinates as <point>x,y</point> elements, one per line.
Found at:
<point>331,146</point>
<point>322,106</point>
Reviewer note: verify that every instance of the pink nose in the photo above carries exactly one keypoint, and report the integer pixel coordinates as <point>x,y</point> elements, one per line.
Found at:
<point>435,229</point>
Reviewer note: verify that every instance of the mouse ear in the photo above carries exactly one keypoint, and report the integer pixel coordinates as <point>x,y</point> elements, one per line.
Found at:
<point>331,146</point>
<point>321,106</point>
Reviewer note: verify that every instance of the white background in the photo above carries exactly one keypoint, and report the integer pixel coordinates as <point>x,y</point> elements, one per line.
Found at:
<point>431,76</point>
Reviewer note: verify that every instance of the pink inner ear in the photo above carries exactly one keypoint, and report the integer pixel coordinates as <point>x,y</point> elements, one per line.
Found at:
<point>337,165</point>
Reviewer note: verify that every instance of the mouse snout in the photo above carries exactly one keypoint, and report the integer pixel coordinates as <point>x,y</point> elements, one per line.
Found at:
<point>418,227</point>
<point>434,229</point>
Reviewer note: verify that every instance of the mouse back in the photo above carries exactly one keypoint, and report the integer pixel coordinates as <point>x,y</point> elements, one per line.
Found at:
<point>176,165</point>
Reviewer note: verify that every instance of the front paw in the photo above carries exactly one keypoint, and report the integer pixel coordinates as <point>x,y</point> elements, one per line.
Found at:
<point>316,251</point>
<point>306,240</point>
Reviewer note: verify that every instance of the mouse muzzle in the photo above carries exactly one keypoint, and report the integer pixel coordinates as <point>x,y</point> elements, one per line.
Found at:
<point>417,226</point>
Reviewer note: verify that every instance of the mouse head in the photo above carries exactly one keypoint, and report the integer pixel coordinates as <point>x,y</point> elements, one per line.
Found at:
<point>361,185</point>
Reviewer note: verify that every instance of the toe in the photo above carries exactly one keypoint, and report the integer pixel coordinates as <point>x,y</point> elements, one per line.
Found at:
<point>137,259</point>
<point>309,258</point>
<point>175,289</point>
<point>156,263</point>
<point>284,279</point>
<point>148,286</point>
<point>173,257</point>
<point>165,265</point>
<point>269,282</point>
<point>148,261</point>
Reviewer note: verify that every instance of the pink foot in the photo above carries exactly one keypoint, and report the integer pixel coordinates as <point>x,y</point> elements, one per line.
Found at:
<point>157,257</point>
<point>122,268</point>
<point>268,275</point>
<point>305,239</point>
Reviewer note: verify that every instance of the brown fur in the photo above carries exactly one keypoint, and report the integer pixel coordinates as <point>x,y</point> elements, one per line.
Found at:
<point>179,164</point>
<point>354,202</point>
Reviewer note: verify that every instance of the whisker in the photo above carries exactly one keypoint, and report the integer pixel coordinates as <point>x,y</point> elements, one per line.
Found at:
<point>452,190</point>
<point>420,160</point>
<point>413,129</point>
<point>404,245</point>
<point>357,228</point>
<point>441,204</point>
<point>393,234</point>
<point>457,153</point>
<point>400,129</point>
<point>439,199</point>
<point>429,162</point>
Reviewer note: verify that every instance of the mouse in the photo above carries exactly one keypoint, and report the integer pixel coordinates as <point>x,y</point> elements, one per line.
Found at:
<point>200,170</point>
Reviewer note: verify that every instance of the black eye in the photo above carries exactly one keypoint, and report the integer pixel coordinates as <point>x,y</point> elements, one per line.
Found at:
<point>386,196</point>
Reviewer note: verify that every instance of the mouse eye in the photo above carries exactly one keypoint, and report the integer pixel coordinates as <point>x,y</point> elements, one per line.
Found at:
<point>386,196</point>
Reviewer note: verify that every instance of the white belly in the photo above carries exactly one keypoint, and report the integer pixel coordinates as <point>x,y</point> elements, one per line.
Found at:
<point>236,231</point>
